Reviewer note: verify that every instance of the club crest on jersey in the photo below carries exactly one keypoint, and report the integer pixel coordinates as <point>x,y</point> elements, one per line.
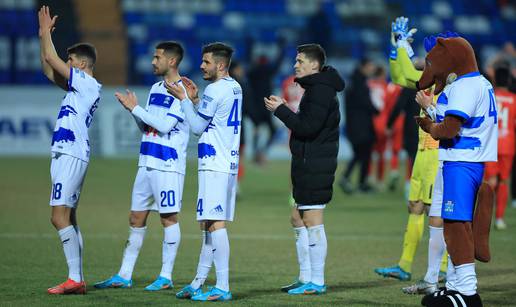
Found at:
<point>161,100</point>
<point>205,150</point>
<point>205,100</point>
<point>66,110</point>
<point>448,206</point>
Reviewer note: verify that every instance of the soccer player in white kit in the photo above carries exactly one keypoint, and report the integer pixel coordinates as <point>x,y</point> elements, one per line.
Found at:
<point>161,169</point>
<point>217,120</point>
<point>70,143</point>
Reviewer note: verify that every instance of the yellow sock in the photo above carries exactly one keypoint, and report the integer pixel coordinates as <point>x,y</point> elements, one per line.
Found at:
<point>444,262</point>
<point>413,234</point>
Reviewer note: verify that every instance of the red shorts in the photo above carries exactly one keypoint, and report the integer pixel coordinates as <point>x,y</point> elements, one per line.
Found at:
<point>501,169</point>
<point>397,134</point>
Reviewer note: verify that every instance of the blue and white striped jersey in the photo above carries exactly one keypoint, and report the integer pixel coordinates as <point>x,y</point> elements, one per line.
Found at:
<point>164,151</point>
<point>470,97</point>
<point>76,115</point>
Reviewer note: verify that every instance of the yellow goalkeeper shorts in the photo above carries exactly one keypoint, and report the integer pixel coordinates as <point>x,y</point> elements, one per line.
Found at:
<point>423,175</point>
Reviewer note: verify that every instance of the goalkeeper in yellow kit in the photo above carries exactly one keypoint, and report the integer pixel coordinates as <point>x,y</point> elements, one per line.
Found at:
<point>424,173</point>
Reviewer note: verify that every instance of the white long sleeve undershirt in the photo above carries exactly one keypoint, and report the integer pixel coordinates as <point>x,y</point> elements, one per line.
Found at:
<point>197,123</point>
<point>163,125</point>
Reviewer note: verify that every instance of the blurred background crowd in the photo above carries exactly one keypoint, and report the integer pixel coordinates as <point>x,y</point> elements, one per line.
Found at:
<point>354,33</point>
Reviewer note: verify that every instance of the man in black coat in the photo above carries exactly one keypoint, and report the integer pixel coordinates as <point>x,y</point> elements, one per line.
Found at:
<point>314,144</point>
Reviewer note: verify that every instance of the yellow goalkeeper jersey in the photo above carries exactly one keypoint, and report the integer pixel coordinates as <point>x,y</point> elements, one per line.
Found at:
<point>405,74</point>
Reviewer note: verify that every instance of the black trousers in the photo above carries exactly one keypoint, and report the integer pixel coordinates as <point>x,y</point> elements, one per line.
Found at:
<point>361,155</point>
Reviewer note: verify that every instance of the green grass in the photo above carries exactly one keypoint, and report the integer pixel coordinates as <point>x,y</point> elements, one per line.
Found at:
<point>364,232</point>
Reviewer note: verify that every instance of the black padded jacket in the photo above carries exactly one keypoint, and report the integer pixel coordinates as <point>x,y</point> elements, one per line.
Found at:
<point>314,141</point>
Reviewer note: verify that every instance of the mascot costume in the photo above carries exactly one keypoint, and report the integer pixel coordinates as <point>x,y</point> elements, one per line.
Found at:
<point>465,122</point>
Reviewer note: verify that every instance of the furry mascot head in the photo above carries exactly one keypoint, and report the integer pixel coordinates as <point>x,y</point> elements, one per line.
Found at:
<point>449,58</point>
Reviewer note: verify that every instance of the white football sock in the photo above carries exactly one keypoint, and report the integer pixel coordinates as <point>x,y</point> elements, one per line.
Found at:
<point>303,254</point>
<point>220,242</point>
<point>205,261</point>
<point>318,248</point>
<point>81,246</point>
<point>451,277</point>
<point>436,248</point>
<point>466,279</point>
<point>132,249</point>
<point>172,238</point>
<point>72,252</point>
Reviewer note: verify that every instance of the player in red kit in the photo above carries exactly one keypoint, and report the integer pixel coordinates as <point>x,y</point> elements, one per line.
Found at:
<point>498,173</point>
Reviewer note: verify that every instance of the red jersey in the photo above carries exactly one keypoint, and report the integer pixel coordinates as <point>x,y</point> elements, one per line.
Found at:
<point>384,96</point>
<point>506,103</point>
<point>292,93</point>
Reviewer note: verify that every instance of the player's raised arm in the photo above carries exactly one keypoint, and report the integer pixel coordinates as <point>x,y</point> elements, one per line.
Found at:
<point>54,68</point>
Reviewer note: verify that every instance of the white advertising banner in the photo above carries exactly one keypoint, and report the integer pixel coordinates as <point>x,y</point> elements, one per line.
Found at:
<point>28,115</point>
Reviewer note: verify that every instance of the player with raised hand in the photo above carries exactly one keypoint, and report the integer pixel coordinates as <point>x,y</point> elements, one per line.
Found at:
<point>217,121</point>
<point>70,142</point>
<point>161,169</point>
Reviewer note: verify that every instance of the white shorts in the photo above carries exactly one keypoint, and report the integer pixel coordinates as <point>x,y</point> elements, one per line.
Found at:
<point>437,194</point>
<point>216,198</point>
<point>157,191</point>
<point>310,207</point>
<point>67,174</point>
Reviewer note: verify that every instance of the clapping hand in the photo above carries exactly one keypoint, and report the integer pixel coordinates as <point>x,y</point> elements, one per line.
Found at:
<point>273,102</point>
<point>424,99</point>
<point>176,90</point>
<point>400,30</point>
<point>46,23</point>
<point>401,36</point>
<point>129,101</point>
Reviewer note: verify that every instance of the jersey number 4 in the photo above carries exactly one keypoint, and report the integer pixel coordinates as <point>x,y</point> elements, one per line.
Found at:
<point>233,117</point>
<point>492,106</point>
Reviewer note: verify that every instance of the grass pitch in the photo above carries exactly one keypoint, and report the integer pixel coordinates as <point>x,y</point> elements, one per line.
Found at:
<point>364,232</point>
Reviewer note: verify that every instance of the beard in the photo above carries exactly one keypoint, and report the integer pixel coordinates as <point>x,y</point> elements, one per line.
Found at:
<point>209,75</point>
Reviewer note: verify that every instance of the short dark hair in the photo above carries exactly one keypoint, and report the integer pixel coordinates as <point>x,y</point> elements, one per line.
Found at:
<point>172,48</point>
<point>219,51</point>
<point>86,50</point>
<point>313,52</point>
<point>502,76</point>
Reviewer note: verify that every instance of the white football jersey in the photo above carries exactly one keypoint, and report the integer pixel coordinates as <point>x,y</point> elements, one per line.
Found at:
<point>218,146</point>
<point>76,115</point>
<point>472,98</point>
<point>165,152</point>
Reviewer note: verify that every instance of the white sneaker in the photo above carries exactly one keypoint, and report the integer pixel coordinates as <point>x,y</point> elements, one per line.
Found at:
<point>500,224</point>
<point>420,287</point>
